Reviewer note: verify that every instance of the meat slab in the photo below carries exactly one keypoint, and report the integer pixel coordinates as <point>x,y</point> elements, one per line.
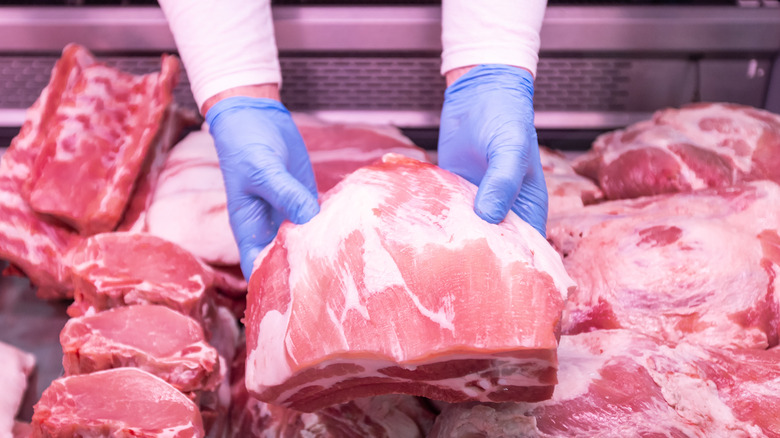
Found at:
<point>617,383</point>
<point>119,269</point>
<point>121,402</point>
<point>698,266</point>
<point>694,147</point>
<point>153,338</point>
<point>406,291</point>
<point>190,197</point>
<point>388,416</point>
<point>96,137</point>
<point>16,366</point>
<point>565,188</point>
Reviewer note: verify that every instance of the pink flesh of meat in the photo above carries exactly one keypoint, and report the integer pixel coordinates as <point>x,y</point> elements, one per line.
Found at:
<point>159,272</point>
<point>409,292</point>
<point>694,147</point>
<point>388,416</point>
<point>153,338</point>
<point>190,198</point>
<point>615,383</point>
<point>15,367</point>
<point>699,266</point>
<point>336,150</point>
<point>565,188</point>
<point>91,143</point>
<point>120,402</point>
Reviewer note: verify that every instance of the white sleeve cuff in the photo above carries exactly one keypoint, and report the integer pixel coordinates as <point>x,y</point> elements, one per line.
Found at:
<point>224,43</point>
<point>491,32</point>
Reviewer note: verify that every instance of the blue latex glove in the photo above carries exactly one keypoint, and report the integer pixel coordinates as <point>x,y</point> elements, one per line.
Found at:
<point>487,136</point>
<point>268,176</point>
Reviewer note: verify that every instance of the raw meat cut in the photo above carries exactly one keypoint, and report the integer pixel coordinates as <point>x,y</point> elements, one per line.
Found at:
<point>190,198</point>
<point>616,383</point>
<point>153,338</point>
<point>16,367</point>
<point>175,121</point>
<point>101,125</point>
<point>405,291</point>
<point>119,269</point>
<point>191,193</point>
<point>21,430</point>
<point>118,402</point>
<point>338,149</point>
<point>697,146</point>
<point>388,416</point>
<point>30,242</point>
<point>566,189</point>
<point>698,266</point>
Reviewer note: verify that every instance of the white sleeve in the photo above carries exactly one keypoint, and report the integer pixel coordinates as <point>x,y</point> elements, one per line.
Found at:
<point>491,32</point>
<point>224,43</point>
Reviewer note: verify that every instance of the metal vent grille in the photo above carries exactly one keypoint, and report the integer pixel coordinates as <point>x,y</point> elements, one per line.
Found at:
<point>362,83</point>
<point>582,85</point>
<point>23,77</point>
<point>408,83</point>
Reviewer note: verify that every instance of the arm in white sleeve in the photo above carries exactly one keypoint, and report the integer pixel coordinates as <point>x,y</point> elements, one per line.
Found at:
<point>224,43</point>
<point>491,32</point>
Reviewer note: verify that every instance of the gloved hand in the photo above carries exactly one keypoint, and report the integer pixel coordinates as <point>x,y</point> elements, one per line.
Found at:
<point>487,136</point>
<point>268,176</point>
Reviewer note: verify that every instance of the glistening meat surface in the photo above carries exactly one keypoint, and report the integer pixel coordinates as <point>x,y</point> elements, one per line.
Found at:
<point>699,266</point>
<point>152,338</point>
<point>697,146</point>
<point>566,189</point>
<point>406,291</point>
<point>119,269</point>
<point>386,416</point>
<point>121,402</point>
<point>101,126</point>
<point>617,383</point>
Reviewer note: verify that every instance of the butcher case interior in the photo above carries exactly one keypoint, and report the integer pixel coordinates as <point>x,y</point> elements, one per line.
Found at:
<point>603,65</point>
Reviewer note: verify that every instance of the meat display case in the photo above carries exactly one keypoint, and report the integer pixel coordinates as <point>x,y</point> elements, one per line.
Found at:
<point>604,64</point>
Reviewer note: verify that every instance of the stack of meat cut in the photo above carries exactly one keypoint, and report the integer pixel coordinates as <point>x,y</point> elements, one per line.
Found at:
<point>673,328</point>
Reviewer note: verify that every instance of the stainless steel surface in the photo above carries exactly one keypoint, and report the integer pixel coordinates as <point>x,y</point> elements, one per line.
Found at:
<point>404,28</point>
<point>773,90</point>
<point>742,81</point>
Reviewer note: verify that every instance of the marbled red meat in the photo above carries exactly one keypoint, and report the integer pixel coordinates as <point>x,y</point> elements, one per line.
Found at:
<point>387,416</point>
<point>405,291</point>
<point>616,383</point>
<point>565,188</point>
<point>694,147</point>
<point>119,269</point>
<point>153,338</point>
<point>32,242</point>
<point>16,366</point>
<point>101,125</point>
<point>698,266</point>
<point>121,402</point>
<point>338,149</point>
